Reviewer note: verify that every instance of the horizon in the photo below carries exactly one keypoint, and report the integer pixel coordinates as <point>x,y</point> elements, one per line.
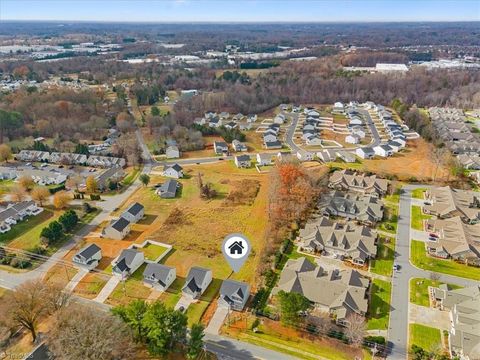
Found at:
<point>241,11</point>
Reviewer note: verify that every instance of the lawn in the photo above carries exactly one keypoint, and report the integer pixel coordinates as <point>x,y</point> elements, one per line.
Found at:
<point>130,290</point>
<point>420,259</point>
<point>5,186</point>
<point>173,294</point>
<point>379,305</point>
<point>418,217</point>
<point>153,251</point>
<point>383,263</point>
<point>426,337</point>
<point>24,231</point>
<point>196,310</point>
<point>131,177</point>
<point>91,285</point>
<point>419,290</point>
<point>389,224</point>
<point>418,193</point>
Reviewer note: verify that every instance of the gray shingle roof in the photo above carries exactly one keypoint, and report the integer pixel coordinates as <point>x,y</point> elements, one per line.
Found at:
<point>88,251</point>
<point>120,224</point>
<point>135,208</point>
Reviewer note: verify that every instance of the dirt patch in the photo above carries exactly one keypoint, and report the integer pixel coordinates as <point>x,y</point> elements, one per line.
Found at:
<point>243,193</point>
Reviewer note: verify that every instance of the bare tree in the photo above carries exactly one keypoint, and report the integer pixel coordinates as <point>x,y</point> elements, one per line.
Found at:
<point>78,333</point>
<point>356,329</point>
<point>18,193</point>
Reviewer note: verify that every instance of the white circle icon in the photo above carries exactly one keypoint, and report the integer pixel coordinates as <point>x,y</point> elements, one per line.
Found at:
<point>236,247</point>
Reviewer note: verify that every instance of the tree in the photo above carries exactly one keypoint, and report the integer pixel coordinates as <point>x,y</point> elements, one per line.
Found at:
<point>144,179</point>
<point>155,111</point>
<point>195,341</point>
<point>61,199</point>
<point>68,220</point>
<point>355,329</point>
<point>5,153</point>
<point>291,304</point>
<point>133,315</point>
<point>29,303</point>
<point>9,121</point>
<point>52,233</point>
<point>40,194</point>
<point>78,333</point>
<point>26,182</point>
<point>81,149</point>
<point>91,184</point>
<point>18,193</point>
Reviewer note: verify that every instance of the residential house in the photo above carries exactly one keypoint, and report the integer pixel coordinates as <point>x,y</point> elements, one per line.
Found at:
<point>174,171</point>
<point>341,293</point>
<point>172,152</point>
<point>88,257</point>
<point>303,155</point>
<point>17,212</point>
<point>346,156</point>
<point>220,147</point>
<point>127,263</point>
<point>239,146</point>
<point>327,155</point>
<point>197,282</point>
<point>231,125</point>
<point>269,136</point>
<point>159,276</point>
<point>354,242</point>
<point>118,229</point>
<point>446,202</point>
<point>383,150</point>
<point>243,161</point>
<point>365,152</point>
<point>367,209</point>
<point>284,156</point>
<point>114,174</point>
<point>279,119</point>
<point>264,159</point>
<point>134,213</point>
<point>168,190</point>
<point>234,294</point>
<point>271,145</point>
<point>313,140</point>
<point>349,180</point>
<point>352,139</point>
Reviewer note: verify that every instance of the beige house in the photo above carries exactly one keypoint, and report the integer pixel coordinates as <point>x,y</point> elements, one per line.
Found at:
<point>339,292</point>
<point>352,181</point>
<point>351,241</point>
<point>446,202</point>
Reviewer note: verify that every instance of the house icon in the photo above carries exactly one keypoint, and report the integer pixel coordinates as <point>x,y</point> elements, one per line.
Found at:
<point>236,248</point>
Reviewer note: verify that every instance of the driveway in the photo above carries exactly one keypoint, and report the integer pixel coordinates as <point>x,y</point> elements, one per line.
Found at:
<point>107,289</point>
<point>429,317</point>
<point>217,320</point>
<point>76,279</point>
<point>184,302</point>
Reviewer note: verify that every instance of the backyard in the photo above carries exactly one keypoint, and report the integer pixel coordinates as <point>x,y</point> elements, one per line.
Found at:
<point>420,259</point>
<point>426,337</point>
<point>379,305</point>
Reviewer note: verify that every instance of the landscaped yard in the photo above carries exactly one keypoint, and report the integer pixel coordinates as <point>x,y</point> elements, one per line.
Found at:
<point>196,310</point>
<point>153,251</point>
<point>420,258</point>
<point>419,290</point>
<point>379,305</point>
<point>418,193</point>
<point>426,337</point>
<point>389,224</point>
<point>130,290</point>
<point>173,294</point>
<point>383,263</point>
<point>418,217</point>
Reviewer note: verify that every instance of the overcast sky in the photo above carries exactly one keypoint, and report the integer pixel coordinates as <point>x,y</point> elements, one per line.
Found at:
<point>241,10</point>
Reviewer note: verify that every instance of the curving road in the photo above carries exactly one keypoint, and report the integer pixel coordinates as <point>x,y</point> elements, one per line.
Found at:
<point>398,323</point>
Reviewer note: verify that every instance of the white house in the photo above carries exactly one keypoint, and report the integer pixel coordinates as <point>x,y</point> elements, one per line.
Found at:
<point>365,152</point>
<point>383,150</point>
<point>346,156</point>
<point>338,107</point>
<point>269,137</point>
<point>313,140</point>
<point>220,147</point>
<point>264,159</point>
<point>174,171</point>
<point>238,146</point>
<point>352,139</point>
<point>117,229</point>
<point>127,263</point>
<point>88,257</point>
<point>303,155</point>
<point>172,152</point>
<point>243,161</point>
<point>134,213</point>
<point>279,119</point>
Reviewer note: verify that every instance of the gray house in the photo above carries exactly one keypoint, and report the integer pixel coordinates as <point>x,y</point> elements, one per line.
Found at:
<point>173,171</point>
<point>159,276</point>
<point>172,152</point>
<point>88,257</point>
<point>197,281</point>
<point>134,213</point>
<point>127,263</point>
<point>234,294</point>
<point>168,190</point>
<point>117,229</point>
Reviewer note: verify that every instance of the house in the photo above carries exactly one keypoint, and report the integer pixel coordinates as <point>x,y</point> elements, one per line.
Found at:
<point>269,136</point>
<point>284,156</point>
<point>117,229</point>
<point>264,159</point>
<point>270,145</point>
<point>346,156</point>
<point>350,241</point>
<point>383,150</point>
<point>313,140</point>
<point>159,276</point>
<point>365,152</point>
<point>279,119</point>
<point>464,307</point>
<point>252,118</point>
<point>88,257</point>
<point>242,161</point>
<point>197,282</point>
<point>348,180</point>
<point>16,212</point>
<point>114,174</point>
<point>339,292</point>
<point>327,155</point>
<point>396,146</point>
<point>338,108</point>
<point>231,125</point>
<point>173,171</point>
<point>220,147</point>
<point>172,152</point>
<point>234,294</point>
<point>352,139</point>
<point>127,263</point>
<point>446,202</point>
<point>239,146</point>
<point>367,209</point>
<point>134,213</point>
<point>168,190</point>
<point>303,155</point>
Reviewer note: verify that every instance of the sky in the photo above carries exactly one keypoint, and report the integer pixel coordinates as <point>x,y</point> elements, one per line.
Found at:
<point>241,10</point>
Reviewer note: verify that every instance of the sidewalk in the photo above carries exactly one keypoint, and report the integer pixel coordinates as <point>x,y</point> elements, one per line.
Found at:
<point>76,279</point>
<point>107,289</point>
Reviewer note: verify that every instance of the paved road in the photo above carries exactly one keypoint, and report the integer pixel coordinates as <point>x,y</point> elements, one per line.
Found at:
<point>399,305</point>
<point>290,134</point>
<point>373,128</point>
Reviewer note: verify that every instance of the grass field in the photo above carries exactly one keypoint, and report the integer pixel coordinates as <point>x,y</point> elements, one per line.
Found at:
<point>196,310</point>
<point>131,177</point>
<point>418,193</point>
<point>5,186</point>
<point>25,232</point>
<point>153,251</point>
<point>391,215</point>
<point>379,305</point>
<point>383,263</point>
<point>173,293</point>
<point>418,217</point>
<point>426,337</point>
<point>419,290</point>
<point>419,258</point>
<point>130,290</point>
